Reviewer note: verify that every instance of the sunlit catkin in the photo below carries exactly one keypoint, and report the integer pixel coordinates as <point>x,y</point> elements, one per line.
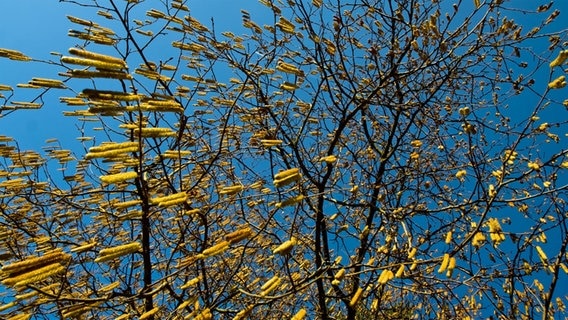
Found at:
<point>53,256</point>
<point>118,177</point>
<point>97,56</point>
<point>562,56</point>
<point>399,272</point>
<point>451,267</point>
<point>216,249</point>
<point>448,237</point>
<point>285,247</point>
<point>385,276</point>
<point>35,275</point>
<point>118,251</point>
<point>299,315</point>
<point>149,313</point>
<point>238,235</point>
<point>356,297</point>
<point>445,262</point>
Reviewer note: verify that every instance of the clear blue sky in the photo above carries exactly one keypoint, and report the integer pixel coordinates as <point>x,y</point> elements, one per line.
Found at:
<point>37,27</point>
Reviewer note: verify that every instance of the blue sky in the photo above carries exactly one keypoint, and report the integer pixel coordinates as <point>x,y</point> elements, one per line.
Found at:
<point>37,27</point>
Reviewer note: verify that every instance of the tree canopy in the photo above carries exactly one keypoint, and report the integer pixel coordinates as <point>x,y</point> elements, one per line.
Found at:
<point>377,159</point>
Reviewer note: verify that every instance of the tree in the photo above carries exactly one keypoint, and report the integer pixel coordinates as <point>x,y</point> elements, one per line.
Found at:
<point>335,160</point>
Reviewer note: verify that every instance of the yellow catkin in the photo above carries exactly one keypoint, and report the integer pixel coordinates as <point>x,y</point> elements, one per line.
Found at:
<point>273,286</point>
<point>451,267</point>
<point>204,315</point>
<point>149,313</point>
<point>558,83</point>
<point>50,257</point>
<point>154,132</point>
<point>84,247</point>
<point>339,274</point>
<point>96,56</point>
<point>113,146</point>
<point>172,197</point>
<point>238,235</point>
<point>287,68</point>
<point>191,283</point>
<point>542,255</point>
<point>92,63</point>
<point>269,283</point>
<point>329,159</point>
<point>285,247</point>
<point>271,143</point>
<point>49,288</point>
<point>110,287</point>
<point>113,153</point>
<point>412,253</point>
<point>126,204</point>
<point>173,202</point>
<point>385,276</point>
<point>562,56</point>
<point>400,271</point>
<point>356,297</point>
<point>231,190</point>
<point>283,180</point>
<point>87,74</point>
<point>243,313</point>
<point>448,237</point>
<point>22,316</point>
<point>13,55</point>
<point>110,95</point>
<point>74,311</point>
<point>7,306</point>
<point>118,251</point>
<point>299,315</point>
<point>216,249</point>
<point>290,201</point>
<point>445,262</point>
<point>286,173</point>
<point>119,177</point>
<point>35,275</point>
<point>50,83</point>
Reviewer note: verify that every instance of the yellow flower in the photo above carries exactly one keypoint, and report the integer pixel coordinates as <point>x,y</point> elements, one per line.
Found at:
<point>299,315</point>
<point>231,190</point>
<point>118,177</point>
<point>478,240</point>
<point>495,232</point>
<point>216,249</point>
<point>329,159</point>
<point>270,285</point>
<point>445,262</point>
<point>290,201</point>
<point>558,83</point>
<point>238,235</point>
<point>533,165</point>
<point>448,237</point>
<point>286,177</point>
<point>118,251</point>
<point>356,296</point>
<point>385,276</point>
<point>285,247</point>
<point>461,175</point>
<point>416,143</point>
<point>562,56</point>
